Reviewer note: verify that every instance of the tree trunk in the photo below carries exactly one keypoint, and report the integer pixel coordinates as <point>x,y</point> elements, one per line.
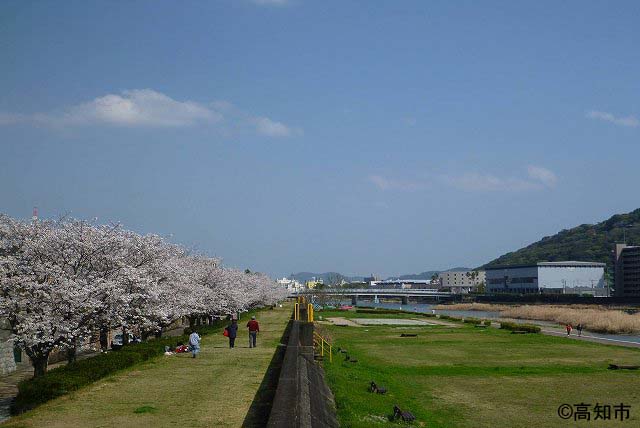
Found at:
<point>192,322</point>
<point>72,350</point>
<point>39,365</point>
<point>104,338</point>
<point>125,336</point>
<point>158,332</point>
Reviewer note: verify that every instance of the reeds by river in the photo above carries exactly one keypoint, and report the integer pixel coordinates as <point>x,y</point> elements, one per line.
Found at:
<point>593,318</point>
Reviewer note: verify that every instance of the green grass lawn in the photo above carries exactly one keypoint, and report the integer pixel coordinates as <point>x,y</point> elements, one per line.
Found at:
<point>471,377</point>
<point>214,390</point>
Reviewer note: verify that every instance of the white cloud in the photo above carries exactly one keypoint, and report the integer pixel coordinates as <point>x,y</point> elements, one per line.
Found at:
<point>10,119</point>
<point>271,128</point>
<point>538,178</point>
<point>543,175</point>
<point>140,107</point>
<point>151,109</point>
<point>630,121</point>
<point>384,183</point>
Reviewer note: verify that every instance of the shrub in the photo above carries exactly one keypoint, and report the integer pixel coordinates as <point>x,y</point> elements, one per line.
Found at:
<point>473,321</point>
<point>71,377</point>
<point>487,322</point>
<point>519,327</point>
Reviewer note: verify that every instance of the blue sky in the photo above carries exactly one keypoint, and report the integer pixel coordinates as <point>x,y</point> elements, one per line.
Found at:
<point>362,137</point>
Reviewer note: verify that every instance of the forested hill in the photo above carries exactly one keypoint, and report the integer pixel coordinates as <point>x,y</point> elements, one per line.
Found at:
<point>588,242</point>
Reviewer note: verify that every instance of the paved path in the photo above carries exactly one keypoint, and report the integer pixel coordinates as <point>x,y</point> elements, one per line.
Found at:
<point>589,338</point>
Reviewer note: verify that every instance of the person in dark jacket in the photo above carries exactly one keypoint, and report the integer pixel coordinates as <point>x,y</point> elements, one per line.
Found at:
<point>233,332</point>
<point>253,328</point>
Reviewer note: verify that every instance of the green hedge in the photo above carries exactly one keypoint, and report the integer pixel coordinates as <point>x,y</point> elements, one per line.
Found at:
<point>519,327</point>
<point>71,377</point>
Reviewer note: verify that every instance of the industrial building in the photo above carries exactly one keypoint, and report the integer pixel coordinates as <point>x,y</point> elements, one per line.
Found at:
<point>627,270</point>
<point>548,277</point>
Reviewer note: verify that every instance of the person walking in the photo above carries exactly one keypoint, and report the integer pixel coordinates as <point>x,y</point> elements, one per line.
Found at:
<point>569,328</point>
<point>579,328</point>
<point>194,343</point>
<point>253,328</point>
<point>232,329</point>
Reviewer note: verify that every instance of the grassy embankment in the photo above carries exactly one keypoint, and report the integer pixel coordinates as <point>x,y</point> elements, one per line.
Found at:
<point>599,319</point>
<point>464,376</point>
<point>215,389</point>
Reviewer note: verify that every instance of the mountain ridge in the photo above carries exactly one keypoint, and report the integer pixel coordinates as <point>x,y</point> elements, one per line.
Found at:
<point>586,242</point>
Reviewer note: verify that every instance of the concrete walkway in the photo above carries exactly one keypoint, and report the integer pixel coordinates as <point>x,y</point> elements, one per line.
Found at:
<point>589,338</point>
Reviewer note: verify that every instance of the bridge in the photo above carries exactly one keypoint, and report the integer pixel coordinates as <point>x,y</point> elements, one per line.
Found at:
<point>403,293</point>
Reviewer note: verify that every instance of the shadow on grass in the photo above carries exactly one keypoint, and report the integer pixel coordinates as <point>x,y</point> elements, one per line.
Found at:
<point>258,414</point>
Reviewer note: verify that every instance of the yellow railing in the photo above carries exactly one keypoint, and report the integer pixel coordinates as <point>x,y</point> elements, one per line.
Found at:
<point>300,300</point>
<point>324,346</point>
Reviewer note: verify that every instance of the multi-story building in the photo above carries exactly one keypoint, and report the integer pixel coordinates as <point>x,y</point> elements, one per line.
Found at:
<point>370,279</point>
<point>290,284</point>
<point>462,281</point>
<point>548,277</point>
<point>627,270</point>
<point>314,283</point>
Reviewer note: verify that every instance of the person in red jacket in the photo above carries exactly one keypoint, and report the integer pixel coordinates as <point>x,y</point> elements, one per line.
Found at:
<point>253,328</point>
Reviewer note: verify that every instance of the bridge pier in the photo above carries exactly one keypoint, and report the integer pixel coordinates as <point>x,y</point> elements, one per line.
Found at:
<point>405,300</point>
<point>375,299</point>
<point>354,300</point>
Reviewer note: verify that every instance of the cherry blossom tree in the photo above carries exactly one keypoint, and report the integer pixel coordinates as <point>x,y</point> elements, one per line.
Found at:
<point>61,282</point>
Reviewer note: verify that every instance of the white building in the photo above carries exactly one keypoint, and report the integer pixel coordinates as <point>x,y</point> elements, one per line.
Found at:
<point>462,281</point>
<point>290,284</point>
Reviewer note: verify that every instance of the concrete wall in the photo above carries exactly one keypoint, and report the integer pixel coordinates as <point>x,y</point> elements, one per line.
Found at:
<point>302,398</point>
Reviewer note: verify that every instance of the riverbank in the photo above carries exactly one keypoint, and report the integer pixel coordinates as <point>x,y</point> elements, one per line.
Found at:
<point>472,377</point>
<point>218,388</point>
<point>598,319</point>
